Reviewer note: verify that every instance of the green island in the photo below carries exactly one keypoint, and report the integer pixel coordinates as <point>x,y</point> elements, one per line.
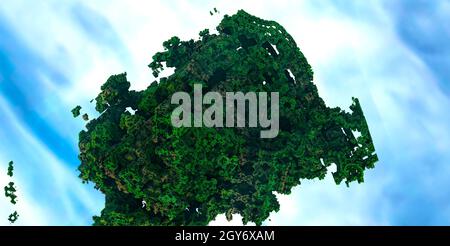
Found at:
<point>188,176</point>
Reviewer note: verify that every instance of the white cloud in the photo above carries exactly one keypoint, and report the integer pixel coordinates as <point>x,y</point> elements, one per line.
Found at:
<point>56,189</point>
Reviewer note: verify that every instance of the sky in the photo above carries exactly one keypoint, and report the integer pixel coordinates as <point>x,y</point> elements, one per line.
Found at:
<point>393,55</point>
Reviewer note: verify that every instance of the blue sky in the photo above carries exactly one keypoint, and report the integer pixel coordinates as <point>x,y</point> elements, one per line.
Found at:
<point>393,55</point>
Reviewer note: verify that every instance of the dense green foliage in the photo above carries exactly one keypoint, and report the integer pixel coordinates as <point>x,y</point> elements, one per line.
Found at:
<point>13,217</point>
<point>10,192</point>
<point>187,176</point>
<point>10,168</point>
<point>76,111</point>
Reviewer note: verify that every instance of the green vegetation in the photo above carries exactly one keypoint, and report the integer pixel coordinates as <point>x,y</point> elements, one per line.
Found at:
<point>187,176</point>
<point>10,192</point>
<point>13,217</point>
<point>76,111</point>
<point>10,168</point>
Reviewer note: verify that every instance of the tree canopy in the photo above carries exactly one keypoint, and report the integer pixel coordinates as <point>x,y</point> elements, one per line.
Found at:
<point>10,192</point>
<point>188,176</point>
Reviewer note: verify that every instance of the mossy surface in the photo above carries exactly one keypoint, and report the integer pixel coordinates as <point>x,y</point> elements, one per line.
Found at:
<point>187,176</point>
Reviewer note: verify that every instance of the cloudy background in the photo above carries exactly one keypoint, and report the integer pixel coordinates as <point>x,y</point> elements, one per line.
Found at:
<point>393,55</point>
